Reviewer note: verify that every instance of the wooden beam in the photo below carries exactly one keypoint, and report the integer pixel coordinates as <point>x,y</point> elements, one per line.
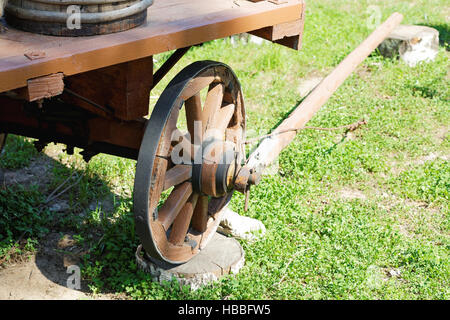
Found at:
<point>294,42</point>
<point>45,87</point>
<point>280,31</point>
<point>288,34</point>
<point>124,88</point>
<point>122,133</point>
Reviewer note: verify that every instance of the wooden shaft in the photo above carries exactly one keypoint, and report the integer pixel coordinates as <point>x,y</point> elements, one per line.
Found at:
<point>270,148</point>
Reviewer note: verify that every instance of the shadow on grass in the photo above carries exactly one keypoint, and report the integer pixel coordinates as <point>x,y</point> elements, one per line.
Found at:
<point>88,225</point>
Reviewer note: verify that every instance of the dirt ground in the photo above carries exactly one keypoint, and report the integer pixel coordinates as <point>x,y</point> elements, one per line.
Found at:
<point>42,275</point>
<point>36,279</point>
<point>45,275</point>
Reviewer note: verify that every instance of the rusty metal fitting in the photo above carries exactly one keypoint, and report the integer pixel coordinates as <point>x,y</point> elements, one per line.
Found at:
<point>245,178</point>
<point>254,179</point>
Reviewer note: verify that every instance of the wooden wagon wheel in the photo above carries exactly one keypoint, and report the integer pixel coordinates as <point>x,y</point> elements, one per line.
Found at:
<point>201,170</point>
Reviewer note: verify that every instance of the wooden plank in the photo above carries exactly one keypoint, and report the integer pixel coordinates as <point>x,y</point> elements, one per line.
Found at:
<point>177,175</point>
<point>293,42</point>
<point>288,34</point>
<point>45,87</point>
<point>280,31</point>
<point>122,133</point>
<point>171,24</point>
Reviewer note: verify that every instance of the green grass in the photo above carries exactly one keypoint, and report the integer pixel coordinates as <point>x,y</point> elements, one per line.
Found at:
<point>363,216</point>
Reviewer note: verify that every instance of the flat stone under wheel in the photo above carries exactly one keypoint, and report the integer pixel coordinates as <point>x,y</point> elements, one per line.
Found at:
<point>183,180</point>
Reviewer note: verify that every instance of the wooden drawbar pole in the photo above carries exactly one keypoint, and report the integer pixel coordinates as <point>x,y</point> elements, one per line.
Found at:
<point>271,147</point>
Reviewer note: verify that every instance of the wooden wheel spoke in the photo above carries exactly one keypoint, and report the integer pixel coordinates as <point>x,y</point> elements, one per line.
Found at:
<point>200,215</point>
<point>223,118</point>
<point>158,187</point>
<point>181,224</point>
<point>212,104</point>
<point>197,84</point>
<point>176,200</point>
<point>176,175</point>
<point>193,107</point>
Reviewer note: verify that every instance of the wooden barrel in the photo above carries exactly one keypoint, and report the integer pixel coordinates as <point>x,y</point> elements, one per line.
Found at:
<point>76,17</point>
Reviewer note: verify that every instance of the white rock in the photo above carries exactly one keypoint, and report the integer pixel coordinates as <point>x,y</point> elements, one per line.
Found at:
<point>413,44</point>
<point>240,227</point>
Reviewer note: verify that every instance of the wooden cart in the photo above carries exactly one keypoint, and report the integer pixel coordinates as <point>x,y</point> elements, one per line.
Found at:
<point>93,93</point>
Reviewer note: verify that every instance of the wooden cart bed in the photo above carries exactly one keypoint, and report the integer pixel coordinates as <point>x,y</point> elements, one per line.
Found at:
<point>171,24</point>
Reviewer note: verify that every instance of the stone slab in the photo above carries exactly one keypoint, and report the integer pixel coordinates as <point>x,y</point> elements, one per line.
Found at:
<point>222,256</point>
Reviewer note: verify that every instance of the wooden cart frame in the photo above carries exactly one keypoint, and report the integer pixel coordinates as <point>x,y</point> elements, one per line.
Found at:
<point>93,93</point>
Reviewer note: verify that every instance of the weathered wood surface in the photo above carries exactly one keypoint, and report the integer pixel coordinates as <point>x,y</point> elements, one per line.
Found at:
<point>170,24</point>
<point>45,87</point>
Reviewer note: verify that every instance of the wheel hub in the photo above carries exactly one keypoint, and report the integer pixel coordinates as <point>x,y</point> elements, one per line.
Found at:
<point>215,172</point>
